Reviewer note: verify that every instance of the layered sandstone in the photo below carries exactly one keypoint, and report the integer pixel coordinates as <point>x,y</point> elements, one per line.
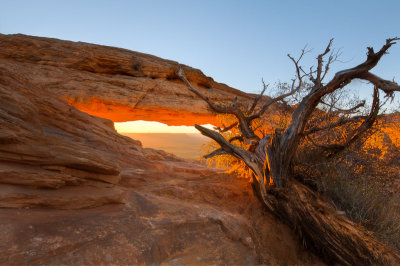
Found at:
<point>115,83</point>
<point>74,191</point>
<point>47,144</point>
<point>166,217</point>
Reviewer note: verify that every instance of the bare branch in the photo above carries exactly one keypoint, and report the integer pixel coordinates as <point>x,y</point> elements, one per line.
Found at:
<point>225,129</point>
<point>344,111</point>
<point>309,74</point>
<point>257,98</point>
<point>271,158</point>
<point>292,91</point>
<point>321,62</point>
<point>387,86</point>
<point>244,123</point>
<point>247,157</point>
<point>225,145</point>
<point>239,138</point>
<point>296,63</point>
<point>339,123</point>
<point>215,153</point>
<point>333,148</point>
<point>306,107</point>
<point>214,107</point>
<point>357,133</point>
<point>345,76</point>
<point>369,120</point>
<point>272,101</point>
<point>332,58</point>
<point>229,148</point>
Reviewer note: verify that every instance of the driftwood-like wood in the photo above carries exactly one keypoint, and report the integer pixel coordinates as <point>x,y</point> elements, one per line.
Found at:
<point>270,157</point>
<point>331,235</point>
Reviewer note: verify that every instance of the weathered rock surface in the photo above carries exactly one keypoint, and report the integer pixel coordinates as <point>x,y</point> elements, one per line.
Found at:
<point>74,191</point>
<point>114,83</point>
<point>165,218</point>
<point>45,143</point>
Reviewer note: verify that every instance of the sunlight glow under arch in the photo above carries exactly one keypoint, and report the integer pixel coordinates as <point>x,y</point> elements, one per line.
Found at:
<point>141,126</point>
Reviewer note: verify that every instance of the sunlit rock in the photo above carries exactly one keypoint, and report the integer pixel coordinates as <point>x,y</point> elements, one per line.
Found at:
<point>74,191</point>
<point>115,83</point>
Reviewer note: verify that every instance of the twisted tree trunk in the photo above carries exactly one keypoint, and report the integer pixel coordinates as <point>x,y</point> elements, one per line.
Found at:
<point>320,227</point>
<point>333,236</point>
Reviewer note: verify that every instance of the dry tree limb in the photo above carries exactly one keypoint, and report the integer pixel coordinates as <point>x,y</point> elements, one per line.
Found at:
<point>243,123</point>
<point>214,107</point>
<point>339,110</point>
<point>333,236</point>
<point>215,153</point>
<point>270,158</point>
<point>257,98</point>
<point>320,61</point>
<point>341,122</point>
<point>389,87</point>
<point>225,129</point>
<point>239,138</point>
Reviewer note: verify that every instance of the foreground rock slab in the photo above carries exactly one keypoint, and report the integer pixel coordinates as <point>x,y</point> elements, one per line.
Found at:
<point>165,218</point>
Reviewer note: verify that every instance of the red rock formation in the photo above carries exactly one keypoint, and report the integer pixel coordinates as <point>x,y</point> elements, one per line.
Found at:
<point>114,83</point>
<point>55,159</point>
<point>167,217</point>
<point>46,143</point>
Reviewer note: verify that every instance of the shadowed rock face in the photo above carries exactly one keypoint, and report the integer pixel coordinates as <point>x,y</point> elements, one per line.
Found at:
<point>46,143</point>
<point>115,83</point>
<point>74,191</point>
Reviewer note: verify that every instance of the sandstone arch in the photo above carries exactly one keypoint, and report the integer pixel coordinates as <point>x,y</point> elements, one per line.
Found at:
<point>115,83</point>
<point>53,156</point>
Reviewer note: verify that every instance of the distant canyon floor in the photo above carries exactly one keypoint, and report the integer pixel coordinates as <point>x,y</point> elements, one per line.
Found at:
<point>184,145</point>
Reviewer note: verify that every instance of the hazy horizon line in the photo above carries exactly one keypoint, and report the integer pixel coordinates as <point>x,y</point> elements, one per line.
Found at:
<point>175,133</point>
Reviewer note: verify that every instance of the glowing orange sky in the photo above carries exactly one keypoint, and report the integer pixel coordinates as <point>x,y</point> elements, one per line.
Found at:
<point>141,126</point>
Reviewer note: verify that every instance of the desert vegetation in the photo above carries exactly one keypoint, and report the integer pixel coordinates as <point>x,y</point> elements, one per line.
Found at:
<point>363,180</point>
<point>311,136</point>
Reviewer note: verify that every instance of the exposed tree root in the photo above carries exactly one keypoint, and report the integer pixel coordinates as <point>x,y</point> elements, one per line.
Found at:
<point>333,236</point>
<point>270,155</point>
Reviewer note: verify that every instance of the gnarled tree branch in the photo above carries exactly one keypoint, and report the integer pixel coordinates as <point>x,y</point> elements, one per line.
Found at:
<point>271,157</point>
<point>225,129</point>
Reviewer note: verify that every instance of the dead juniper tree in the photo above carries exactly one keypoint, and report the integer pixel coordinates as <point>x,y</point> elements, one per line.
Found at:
<point>270,156</point>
